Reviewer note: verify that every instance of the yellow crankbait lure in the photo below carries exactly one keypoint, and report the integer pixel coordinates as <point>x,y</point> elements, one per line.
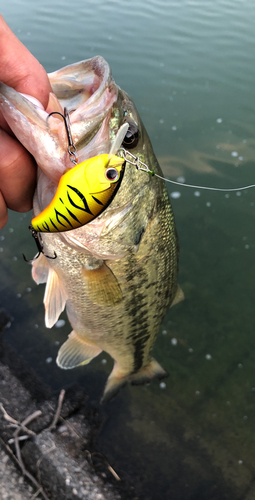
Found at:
<point>84,191</point>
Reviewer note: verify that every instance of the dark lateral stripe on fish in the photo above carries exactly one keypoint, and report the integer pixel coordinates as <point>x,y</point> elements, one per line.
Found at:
<point>82,197</point>
<point>139,345</point>
<point>39,229</point>
<point>140,331</point>
<point>45,225</point>
<point>149,285</point>
<point>61,200</point>
<point>54,225</point>
<point>138,313</point>
<point>73,215</point>
<point>64,217</point>
<point>98,201</point>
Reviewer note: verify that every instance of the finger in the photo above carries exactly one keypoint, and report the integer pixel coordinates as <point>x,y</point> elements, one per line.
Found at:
<point>20,69</point>
<point>3,211</point>
<point>17,174</point>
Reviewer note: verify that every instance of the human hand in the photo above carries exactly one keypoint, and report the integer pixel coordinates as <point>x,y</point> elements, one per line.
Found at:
<point>20,70</point>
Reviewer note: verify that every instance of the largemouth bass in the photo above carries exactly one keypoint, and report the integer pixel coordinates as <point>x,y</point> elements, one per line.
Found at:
<point>116,275</point>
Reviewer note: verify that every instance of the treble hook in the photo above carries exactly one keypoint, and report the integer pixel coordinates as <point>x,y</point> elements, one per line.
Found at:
<point>71,147</point>
<point>39,246</point>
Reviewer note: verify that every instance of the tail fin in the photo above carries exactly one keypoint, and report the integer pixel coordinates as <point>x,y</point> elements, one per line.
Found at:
<point>117,380</point>
<point>113,386</point>
<point>147,373</point>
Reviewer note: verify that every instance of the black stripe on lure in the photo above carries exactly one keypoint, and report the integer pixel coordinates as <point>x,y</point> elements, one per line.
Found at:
<point>83,192</point>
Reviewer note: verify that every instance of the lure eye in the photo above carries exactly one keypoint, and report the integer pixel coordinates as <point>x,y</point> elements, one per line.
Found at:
<point>112,174</point>
<point>132,136</point>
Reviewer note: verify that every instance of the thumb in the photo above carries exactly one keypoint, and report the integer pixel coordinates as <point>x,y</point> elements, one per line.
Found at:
<point>19,68</point>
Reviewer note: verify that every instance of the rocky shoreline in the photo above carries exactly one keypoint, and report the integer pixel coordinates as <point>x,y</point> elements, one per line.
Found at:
<point>61,459</point>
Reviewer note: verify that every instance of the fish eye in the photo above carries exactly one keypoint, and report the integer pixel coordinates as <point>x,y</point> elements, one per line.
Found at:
<point>132,136</point>
<point>112,174</point>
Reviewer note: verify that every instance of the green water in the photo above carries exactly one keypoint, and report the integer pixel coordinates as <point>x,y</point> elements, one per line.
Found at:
<point>189,67</point>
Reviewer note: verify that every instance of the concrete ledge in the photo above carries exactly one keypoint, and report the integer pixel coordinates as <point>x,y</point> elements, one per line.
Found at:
<point>60,460</point>
<point>61,475</point>
<point>12,485</point>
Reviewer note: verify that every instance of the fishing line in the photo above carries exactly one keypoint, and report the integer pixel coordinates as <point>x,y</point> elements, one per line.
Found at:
<point>137,163</point>
<point>205,187</point>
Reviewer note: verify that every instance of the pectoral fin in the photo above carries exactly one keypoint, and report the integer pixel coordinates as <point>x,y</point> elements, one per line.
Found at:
<point>40,269</point>
<point>75,351</point>
<point>54,298</point>
<point>102,286</point>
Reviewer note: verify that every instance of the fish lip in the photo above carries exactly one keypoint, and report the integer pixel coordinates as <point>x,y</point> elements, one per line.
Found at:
<point>94,78</point>
<point>96,65</point>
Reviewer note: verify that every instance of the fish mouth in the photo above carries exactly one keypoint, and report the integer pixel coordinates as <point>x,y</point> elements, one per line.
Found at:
<point>77,83</point>
<point>89,93</point>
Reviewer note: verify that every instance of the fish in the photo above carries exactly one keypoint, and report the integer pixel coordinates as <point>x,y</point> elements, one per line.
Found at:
<point>117,274</point>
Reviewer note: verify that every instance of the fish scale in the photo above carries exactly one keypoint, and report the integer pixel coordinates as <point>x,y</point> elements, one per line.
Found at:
<point>116,275</point>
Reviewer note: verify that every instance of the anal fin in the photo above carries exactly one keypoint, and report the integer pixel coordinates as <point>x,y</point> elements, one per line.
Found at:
<point>102,286</point>
<point>75,351</point>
